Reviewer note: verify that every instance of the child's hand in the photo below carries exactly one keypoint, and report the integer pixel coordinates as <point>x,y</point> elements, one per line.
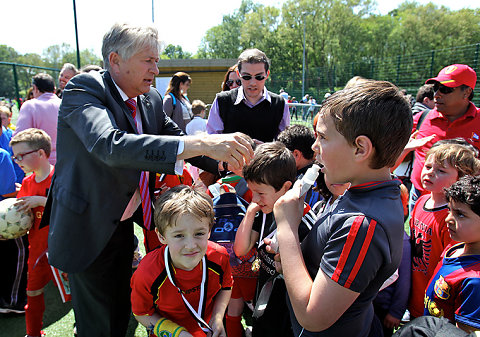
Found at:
<point>288,209</point>
<point>253,207</point>
<point>217,327</point>
<point>278,262</point>
<point>391,322</point>
<point>25,203</point>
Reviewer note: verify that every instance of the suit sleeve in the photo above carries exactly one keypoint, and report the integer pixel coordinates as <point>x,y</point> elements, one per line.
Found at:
<point>89,111</point>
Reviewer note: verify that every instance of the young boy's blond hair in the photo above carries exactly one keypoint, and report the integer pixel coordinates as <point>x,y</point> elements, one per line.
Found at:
<point>458,156</point>
<point>35,138</point>
<point>181,200</point>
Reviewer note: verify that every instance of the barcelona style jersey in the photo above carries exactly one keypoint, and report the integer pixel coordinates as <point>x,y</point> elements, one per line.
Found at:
<point>454,289</point>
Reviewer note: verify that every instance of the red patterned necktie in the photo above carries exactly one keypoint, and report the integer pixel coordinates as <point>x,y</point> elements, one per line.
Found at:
<point>144,192</point>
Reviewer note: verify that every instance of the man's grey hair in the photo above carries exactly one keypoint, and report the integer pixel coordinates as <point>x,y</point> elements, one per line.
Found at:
<point>71,67</point>
<point>126,40</point>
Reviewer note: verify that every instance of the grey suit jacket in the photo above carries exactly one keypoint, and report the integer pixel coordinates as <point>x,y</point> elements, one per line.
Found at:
<point>99,159</point>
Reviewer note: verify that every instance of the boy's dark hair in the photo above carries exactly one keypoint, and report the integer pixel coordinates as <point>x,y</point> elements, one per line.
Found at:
<point>44,82</point>
<point>180,200</point>
<point>253,56</point>
<point>298,137</point>
<point>35,138</point>
<point>466,191</point>
<point>377,110</point>
<point>198,106</point>
<point>425,90</point>
<point>273,164</point>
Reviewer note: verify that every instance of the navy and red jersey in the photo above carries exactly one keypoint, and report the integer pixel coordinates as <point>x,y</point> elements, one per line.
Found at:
<point>358,244</point>
<point>454,289</point>
<point>152,291</point>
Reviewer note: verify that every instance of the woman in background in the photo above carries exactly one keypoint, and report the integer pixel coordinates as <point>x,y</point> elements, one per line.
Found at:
<point>175,103</point>
<point>231,80</point>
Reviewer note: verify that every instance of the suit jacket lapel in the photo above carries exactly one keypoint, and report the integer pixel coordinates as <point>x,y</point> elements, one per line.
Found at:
<point>144,107</point>
<point>116,95</point>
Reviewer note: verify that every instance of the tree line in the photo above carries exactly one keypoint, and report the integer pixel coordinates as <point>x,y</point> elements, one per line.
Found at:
<point>337,32</point>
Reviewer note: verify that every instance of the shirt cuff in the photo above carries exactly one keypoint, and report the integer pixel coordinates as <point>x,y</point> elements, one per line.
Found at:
<point>179,163</point>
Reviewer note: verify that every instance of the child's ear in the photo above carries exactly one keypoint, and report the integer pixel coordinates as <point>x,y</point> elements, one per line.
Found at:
<point>286,186</point>
<point>363,148</point>
<point>160,237</point>
<point>209,232</point>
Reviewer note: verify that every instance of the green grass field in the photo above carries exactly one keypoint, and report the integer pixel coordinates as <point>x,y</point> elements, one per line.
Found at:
<point>58,318</point>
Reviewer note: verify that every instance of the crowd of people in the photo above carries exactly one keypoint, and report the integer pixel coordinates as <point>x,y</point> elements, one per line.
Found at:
<point>106,151</point>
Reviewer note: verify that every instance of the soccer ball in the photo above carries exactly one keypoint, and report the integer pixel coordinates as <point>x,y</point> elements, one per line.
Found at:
<point>13,223</point>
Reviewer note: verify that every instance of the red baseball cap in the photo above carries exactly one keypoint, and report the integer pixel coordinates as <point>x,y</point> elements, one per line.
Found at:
<point>455,75</point>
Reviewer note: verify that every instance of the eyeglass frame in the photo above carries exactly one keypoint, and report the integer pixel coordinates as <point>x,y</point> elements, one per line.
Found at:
<point>257,77</point>
<point>19,157</point>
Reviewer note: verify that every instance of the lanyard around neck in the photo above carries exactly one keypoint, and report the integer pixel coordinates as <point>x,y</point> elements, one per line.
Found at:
<point>197,314</point>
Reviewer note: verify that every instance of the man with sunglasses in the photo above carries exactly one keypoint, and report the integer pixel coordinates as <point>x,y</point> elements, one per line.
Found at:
<point>250,108</point>
<point>454,115</point>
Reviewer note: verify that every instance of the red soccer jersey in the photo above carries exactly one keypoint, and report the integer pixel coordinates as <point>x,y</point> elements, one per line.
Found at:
<point>37,238</point>
<point>153,292</point>
<point>467,127</point>
<point>429,235</point>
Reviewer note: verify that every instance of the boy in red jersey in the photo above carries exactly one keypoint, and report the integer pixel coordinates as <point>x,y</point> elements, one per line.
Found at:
<point>31,149</point>
<point>182,288</point>
<point>444,164</point>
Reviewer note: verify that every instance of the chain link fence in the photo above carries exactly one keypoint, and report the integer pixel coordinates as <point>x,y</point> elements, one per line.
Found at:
<point>406,71</point>
<point>17,78</point>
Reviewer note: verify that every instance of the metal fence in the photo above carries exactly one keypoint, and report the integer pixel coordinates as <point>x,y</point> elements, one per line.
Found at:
<point>406,71</point>
<point>17,78</point>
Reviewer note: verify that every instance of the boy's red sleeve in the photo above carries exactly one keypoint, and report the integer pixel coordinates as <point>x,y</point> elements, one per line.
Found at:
<point>142,300</point>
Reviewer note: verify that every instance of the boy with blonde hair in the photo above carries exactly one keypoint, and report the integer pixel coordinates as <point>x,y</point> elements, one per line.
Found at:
<point>444,165</point>
<point>353,248</point>
<point>182,288</point>
<point>31,150</point>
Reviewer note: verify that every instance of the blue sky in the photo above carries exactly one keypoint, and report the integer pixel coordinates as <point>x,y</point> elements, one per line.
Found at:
<point>31,25</point>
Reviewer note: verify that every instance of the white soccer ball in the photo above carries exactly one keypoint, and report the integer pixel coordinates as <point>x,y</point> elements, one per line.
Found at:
<point>13,223</point>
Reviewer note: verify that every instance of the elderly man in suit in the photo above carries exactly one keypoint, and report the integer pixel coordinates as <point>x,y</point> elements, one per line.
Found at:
<point>112,133</point>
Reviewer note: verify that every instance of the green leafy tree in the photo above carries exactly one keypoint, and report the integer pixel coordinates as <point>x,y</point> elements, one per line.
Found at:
<point>175,52</point>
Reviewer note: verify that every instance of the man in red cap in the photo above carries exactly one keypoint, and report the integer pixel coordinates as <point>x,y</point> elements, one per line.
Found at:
<point>454,116</point>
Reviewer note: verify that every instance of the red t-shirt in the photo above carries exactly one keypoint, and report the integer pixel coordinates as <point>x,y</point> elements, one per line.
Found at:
<point>467,127</point>
<point>429,236</point>
<point>153,292</point>
<point>37,237</point>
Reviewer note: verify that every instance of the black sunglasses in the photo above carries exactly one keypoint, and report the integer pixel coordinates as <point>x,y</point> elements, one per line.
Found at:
<point>230,82</point>
<point>443,89</point>
<point>257,77</point>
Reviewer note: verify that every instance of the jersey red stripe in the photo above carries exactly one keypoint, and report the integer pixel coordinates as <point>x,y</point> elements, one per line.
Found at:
<point>363,252</point>
<point>346,249</point>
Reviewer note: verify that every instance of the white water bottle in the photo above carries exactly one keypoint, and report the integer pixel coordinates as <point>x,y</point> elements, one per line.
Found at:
<point>309,178</point>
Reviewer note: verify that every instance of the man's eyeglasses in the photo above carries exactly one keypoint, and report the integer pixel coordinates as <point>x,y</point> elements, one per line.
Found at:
<point>257,77</point>
<point>442,88</point>
<point>19,157</point>
<point>230,82</point>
